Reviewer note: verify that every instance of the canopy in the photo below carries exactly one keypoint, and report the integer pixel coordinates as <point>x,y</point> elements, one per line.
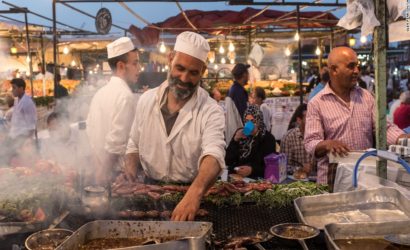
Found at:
<point>223,22</point>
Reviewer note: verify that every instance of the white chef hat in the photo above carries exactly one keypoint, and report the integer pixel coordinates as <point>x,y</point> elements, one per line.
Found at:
<point>120,47</point>
<point>192,44</point>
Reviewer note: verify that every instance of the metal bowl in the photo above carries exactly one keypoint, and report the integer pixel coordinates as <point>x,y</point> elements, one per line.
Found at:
<point>48,239</point>
<point>400,239</point>
<point>294,231</point>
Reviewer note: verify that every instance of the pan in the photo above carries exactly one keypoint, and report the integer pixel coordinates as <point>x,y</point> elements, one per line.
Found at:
<point>295,231</point>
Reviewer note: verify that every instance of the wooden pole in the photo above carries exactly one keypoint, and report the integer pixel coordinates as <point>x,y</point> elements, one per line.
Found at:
<point>380,66</point>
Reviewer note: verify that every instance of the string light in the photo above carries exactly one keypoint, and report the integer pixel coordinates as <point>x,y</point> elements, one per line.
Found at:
<point>212,59</point>
<point>297,36</point>
<point>73,63</point>
<point>221,49</point>
<point>352,41</point>
<point>287,52</point>
<point>232,61</point>
<point>223,60</point>
<point>318,51</point>
<point>66,50</point>
<point>13,50</point>
<point>363,39</point>
<point>231,47</point>
<point>162,48</point>
<point>216,66</point>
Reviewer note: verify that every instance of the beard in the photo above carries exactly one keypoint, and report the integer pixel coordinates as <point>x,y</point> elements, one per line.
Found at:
<point>181,93</point>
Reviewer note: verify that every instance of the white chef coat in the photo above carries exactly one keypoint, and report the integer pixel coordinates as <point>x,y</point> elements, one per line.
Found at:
<point>110,118</point>
<point>24,118</point>
<point>267,115</point>
<point>198,131</point>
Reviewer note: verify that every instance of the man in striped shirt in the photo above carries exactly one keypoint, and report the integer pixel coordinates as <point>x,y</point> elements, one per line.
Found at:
<point>341,117</point>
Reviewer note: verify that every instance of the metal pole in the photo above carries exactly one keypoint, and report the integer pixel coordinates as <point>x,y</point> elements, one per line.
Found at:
<point>380,66</point>
<point>55,48</point>
<point>43,59</point>
<point>30,64</point>
<point>319,44</point>
<point>332,39</point>
<point>299,55</point>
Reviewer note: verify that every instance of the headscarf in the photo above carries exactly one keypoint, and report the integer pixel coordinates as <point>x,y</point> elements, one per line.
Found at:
<point>246,145</point>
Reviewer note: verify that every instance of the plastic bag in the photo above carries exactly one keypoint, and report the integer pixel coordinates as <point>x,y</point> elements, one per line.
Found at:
<point>396,9</point>
<point>369,20</point>
<point>353,17</point>
<point>359,12</point>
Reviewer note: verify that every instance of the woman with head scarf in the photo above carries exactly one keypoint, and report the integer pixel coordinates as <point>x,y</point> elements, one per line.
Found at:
<point>250,145</point>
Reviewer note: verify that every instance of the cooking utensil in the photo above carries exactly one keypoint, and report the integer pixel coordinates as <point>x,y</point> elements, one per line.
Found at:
<point>368,230</point>
<point>196,234</point>
<point>400,239</point>
<point>47,239</point>
<point>96,198</point>
<point>58,220</point>
<point>295,231</point>
<point>372,205</point>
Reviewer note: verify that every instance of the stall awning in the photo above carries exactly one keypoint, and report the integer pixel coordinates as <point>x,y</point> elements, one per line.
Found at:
<point>224,22</point>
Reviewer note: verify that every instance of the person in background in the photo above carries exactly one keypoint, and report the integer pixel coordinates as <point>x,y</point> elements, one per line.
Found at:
<point>257,98</point>
<point>395,103</point>
<point>9,112</point>
<point>44,74</point>
<point>216,95</point>
<point>292,144</point>
<point>245,153</point>
<point>324,79</point>
<point>112,110</point>
<point>401,116</point>
<point>177,134</point>
<point>366,77</point>
<point>237,91</point>
<point>24,118</point>
<point>341,117</point>
<point>60,91</point>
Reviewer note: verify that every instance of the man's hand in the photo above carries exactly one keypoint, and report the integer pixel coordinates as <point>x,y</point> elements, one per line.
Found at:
<point>243,171</point>
<point>239,135</point>
<point>307,168</point>
<point>337,148</point>
<point>186,208</point>
<point>130,170</point>
<point>189,205</point>
<point>331,146</point>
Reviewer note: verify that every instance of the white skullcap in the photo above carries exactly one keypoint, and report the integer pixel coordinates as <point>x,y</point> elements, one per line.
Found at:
<point>192,44</point>
<point>120,47</point>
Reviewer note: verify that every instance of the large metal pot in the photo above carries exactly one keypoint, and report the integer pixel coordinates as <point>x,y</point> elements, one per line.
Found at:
<point>96,199</point>
<point>48,239</point>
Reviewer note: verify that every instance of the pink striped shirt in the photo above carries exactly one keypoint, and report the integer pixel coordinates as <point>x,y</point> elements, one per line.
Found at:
<point>330,118</point>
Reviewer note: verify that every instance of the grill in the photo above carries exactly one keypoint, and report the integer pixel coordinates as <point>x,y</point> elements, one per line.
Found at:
<point>243,220</point>
<point>247,219</point>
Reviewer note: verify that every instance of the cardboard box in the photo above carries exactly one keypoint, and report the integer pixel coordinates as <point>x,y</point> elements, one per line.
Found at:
<point>275,167</point>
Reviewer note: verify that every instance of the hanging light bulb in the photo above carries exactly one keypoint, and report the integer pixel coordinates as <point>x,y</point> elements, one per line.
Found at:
<point>232,61</point>
<point>90,72</point>
<point>212,59</point>
<point>363,39</point>
<point>166,67</point>
<point>352,41</point>
<point>221,49</point>
<point>162,47</point>
<point>223,60</point>
<point>292,71</point>
<point>73,63</point>
<point>215,66</point>
<point>211,56</point>
<point>66,50</point>
<point>287,51</point>
<point>13,49</point>
<point>28,59</point>
<point>142,68</point>
<point>297,36</point>
<point>318,51</point>
<point>231,47</point>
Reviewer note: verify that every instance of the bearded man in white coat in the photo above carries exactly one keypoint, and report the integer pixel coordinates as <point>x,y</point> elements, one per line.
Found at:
<point>112,110</point>
<point>178,131</point>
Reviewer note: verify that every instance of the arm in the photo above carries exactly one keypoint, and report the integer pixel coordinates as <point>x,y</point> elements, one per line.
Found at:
<point>189,205</point>
<point>315,143</point>
<point>266,147</point>
<point>211,162</point>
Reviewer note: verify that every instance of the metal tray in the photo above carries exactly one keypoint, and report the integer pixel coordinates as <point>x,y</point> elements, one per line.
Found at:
<point>7,228</point>
<point>371,230</point>
<point>197,234</point>
<point>373,205</point>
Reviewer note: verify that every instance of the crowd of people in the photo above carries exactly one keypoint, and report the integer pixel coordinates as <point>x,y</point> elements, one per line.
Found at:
<point>178,133</point>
